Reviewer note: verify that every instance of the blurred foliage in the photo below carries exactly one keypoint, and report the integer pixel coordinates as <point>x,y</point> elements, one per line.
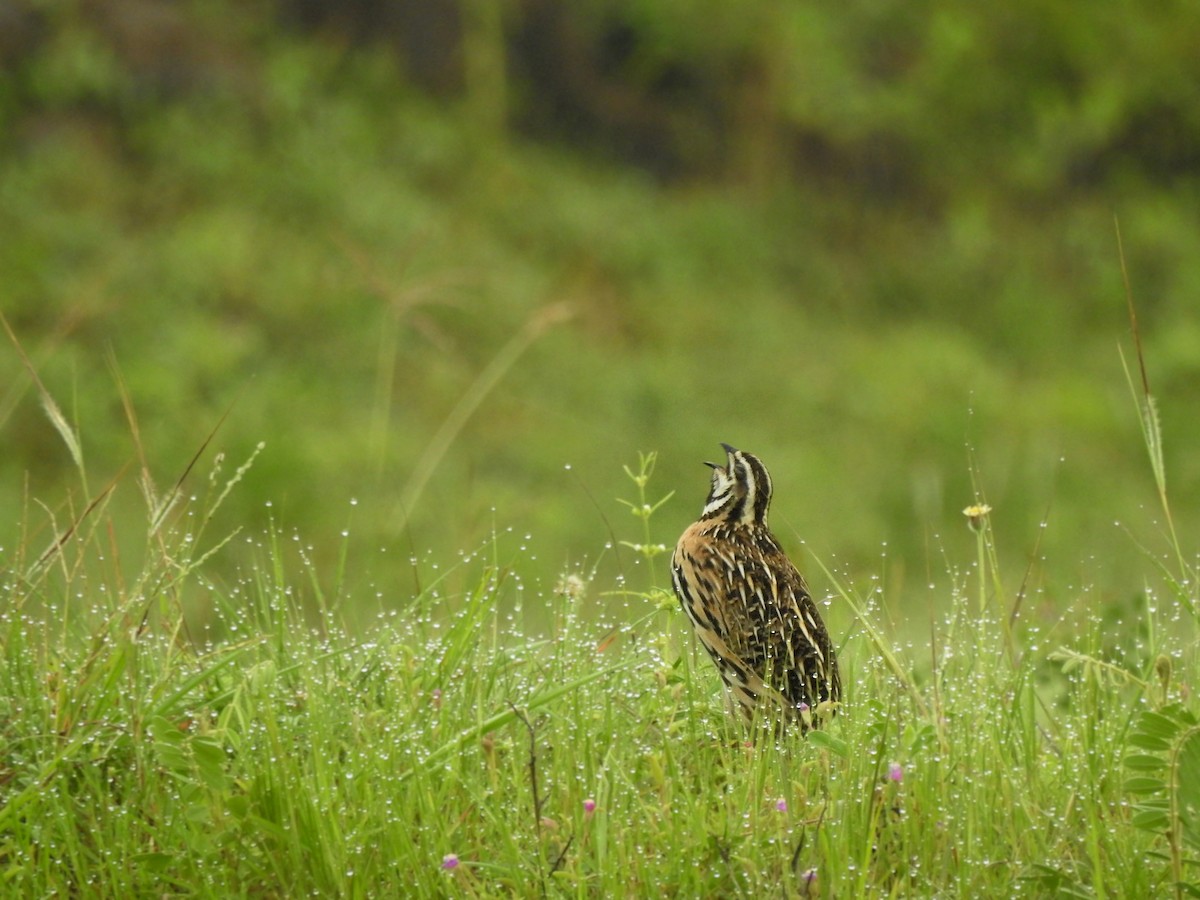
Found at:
<point>873,242</point>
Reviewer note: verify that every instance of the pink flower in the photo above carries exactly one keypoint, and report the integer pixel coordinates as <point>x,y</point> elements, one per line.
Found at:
<point>589,806</point>
<point>781,805</point>
<point>895,772</point>
<point>450,861</point>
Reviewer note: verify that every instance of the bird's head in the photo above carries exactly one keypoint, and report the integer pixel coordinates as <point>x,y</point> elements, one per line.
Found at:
<point>740,491</point>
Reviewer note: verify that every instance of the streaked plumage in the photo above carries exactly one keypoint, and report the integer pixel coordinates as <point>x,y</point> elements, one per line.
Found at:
<point>749,605</point>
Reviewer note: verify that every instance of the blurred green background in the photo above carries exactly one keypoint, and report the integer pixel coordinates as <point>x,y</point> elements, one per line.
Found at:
<point>432,254</point>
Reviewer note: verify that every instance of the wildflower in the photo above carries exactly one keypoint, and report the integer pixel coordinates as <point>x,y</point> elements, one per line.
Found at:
<point>450,861</point>
<point>589,807</point>
<point>808,883</point>
<point>570,586</point>
<point>781,805</point>
<point>976,514</point>
<point>895,772</point>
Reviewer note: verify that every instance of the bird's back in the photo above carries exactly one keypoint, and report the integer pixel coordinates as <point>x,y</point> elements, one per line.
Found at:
<point>752,611</point>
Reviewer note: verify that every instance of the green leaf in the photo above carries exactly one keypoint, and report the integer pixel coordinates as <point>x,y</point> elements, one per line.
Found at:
<point>1145,762</point>
<point>210,761</point>
<point>1150,820</point>
<point>1179,713</point>
<point>1143,785</point>
<point>1157,725</point>
<point>826,741</point>
<point>155,862</point>
<point>1148,742</point>
<point>1160,804</point>
<point>1187,786</point>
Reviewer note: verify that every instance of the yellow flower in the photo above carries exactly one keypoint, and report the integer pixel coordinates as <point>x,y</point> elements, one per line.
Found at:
<point>976,513</point>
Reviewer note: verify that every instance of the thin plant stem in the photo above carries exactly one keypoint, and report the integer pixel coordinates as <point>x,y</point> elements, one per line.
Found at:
<point>483,385</point>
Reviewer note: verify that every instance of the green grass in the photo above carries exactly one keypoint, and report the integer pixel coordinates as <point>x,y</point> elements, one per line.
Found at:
<point>567,741</point>
<point>237,670</point>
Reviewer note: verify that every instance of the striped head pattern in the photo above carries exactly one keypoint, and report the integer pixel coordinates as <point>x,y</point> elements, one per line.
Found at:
<point>741,490</point>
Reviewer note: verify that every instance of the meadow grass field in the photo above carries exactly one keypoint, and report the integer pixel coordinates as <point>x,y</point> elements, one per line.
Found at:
<point>347,425</point>
<point>497,739</point>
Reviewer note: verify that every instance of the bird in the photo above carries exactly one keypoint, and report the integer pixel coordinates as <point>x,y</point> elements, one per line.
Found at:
<point>750,606</point>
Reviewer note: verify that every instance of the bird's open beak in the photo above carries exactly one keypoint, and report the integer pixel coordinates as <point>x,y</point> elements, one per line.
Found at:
<point>729,451</point>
